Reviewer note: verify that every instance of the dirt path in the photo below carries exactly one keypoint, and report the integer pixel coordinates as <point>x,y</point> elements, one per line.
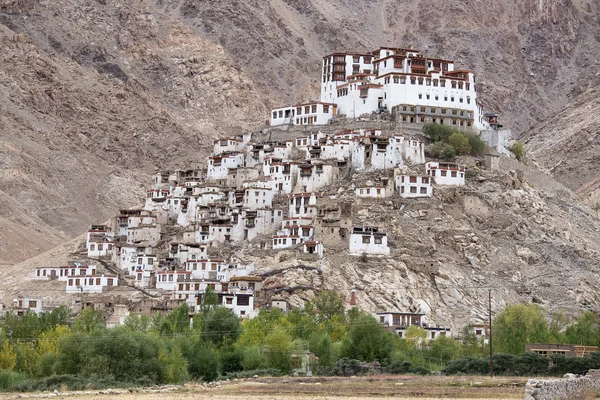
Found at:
<point>382,387</point>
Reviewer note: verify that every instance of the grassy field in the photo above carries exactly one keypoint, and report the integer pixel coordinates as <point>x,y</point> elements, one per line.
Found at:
<point>318,388</point>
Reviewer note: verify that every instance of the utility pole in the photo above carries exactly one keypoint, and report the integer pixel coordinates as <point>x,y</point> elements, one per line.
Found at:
<point>490,328</point>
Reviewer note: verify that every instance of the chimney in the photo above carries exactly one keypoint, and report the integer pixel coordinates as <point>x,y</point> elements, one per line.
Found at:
<point>353,297</point>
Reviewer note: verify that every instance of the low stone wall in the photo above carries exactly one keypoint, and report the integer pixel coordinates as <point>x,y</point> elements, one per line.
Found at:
<point>568,388</point>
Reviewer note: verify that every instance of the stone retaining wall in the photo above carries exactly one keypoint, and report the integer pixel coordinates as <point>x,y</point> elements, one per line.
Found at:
<point>568,388</point>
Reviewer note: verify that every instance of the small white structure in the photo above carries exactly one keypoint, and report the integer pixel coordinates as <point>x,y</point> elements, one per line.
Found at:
<point>26,303</point>
<point>400,321</point>
<point>446,173</point>
<point>368,240</point>
<point>375,192</point>
<point>412,186</point>
<point>314,113</point>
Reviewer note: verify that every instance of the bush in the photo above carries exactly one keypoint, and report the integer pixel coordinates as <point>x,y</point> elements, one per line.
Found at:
<point>448,152</point>
<point>518,150</point>
<point>254,359</point>
<point>438,132</point>
<point>460,143</point>
<point>9,379</point>
<point>477,145</point>
<point>468,366</point>
<point>351,367</point>
<point>232,361</point>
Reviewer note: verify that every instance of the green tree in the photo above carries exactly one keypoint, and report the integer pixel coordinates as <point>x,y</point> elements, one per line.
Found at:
<point>517,325</point>
<point>8,358</point>
<point>460,143</point>
<point>210,299</point>
<point>253,358</point>
<point>174,367</point>
<point>177,321</point>
<point>88,321</point>
<point>415,336</point>
<point>322,346</point>
<point>438,132</point>
<point>279,346</point>
<point>448,151</point>
<point>478,146</point>
<point>368,340</point>
<point>585,331</point>
<point>471,346</point>
<point>221,326</point>
<point>444,349</point>
<point>328,304</point>
<point>255,330</point>
<point>302,321</point>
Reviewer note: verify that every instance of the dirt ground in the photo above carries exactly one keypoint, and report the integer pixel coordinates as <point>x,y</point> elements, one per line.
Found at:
<point>318,388</point>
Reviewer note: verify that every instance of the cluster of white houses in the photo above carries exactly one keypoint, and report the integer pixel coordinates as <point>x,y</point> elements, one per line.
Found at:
<point>270,194</point>
<point>412,86</point>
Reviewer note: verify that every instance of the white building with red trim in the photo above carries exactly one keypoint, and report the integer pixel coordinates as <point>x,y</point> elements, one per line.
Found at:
<point>415,87</point>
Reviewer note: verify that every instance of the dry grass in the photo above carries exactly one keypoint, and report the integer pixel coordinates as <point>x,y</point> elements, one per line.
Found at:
<point>317,388</point>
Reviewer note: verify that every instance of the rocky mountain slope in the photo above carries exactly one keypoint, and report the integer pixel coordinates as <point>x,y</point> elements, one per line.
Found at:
<point>515,230</point>
<point>568,145</point>
<point>96,93</point>
<point>94,96</point>
<point>531,56</point>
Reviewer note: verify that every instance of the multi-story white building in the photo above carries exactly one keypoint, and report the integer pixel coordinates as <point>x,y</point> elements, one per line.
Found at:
<point>313,113</point>
<point>446,173</point>
<point>91,283</point>
<point>415,87</point>
<point>412,186</point>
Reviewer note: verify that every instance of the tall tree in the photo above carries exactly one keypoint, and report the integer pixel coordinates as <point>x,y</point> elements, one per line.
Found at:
<point>517,325</point>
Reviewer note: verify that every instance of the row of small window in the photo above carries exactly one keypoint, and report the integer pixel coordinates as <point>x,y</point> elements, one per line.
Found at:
<point>443,172</point>
<point>377,240</point>
<point>427,82</point>
<point>284,241</point>
<point>413,189</point>
<point>413,179</point>
<point>368,191</point>
<point>306,121</point>
<point>305,231</point>
<point>100,247</point>
<point>435,120</point>
<point>434,110</point>
<point>90,281</point>
<point>436,98</point>
<point>213,266</point>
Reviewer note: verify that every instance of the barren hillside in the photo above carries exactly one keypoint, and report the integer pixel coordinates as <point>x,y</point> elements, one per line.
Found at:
<point>94,96</point>
<point>568,145</point>
<point>96,93</point>
<point>531,56</point>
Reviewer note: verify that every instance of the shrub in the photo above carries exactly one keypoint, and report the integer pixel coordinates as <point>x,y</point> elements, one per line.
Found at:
<point>9,379</point>
<point>438,132</point>
<point>518,150</point>
<point>477,145</point>
<point>232,361</point>
<point>254,359</point>
<point>460,143</point>
<point>448,152</point>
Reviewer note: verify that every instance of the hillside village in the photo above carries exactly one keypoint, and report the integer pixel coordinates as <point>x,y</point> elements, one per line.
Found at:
<point>318,185</point>
<point>265,196</point>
